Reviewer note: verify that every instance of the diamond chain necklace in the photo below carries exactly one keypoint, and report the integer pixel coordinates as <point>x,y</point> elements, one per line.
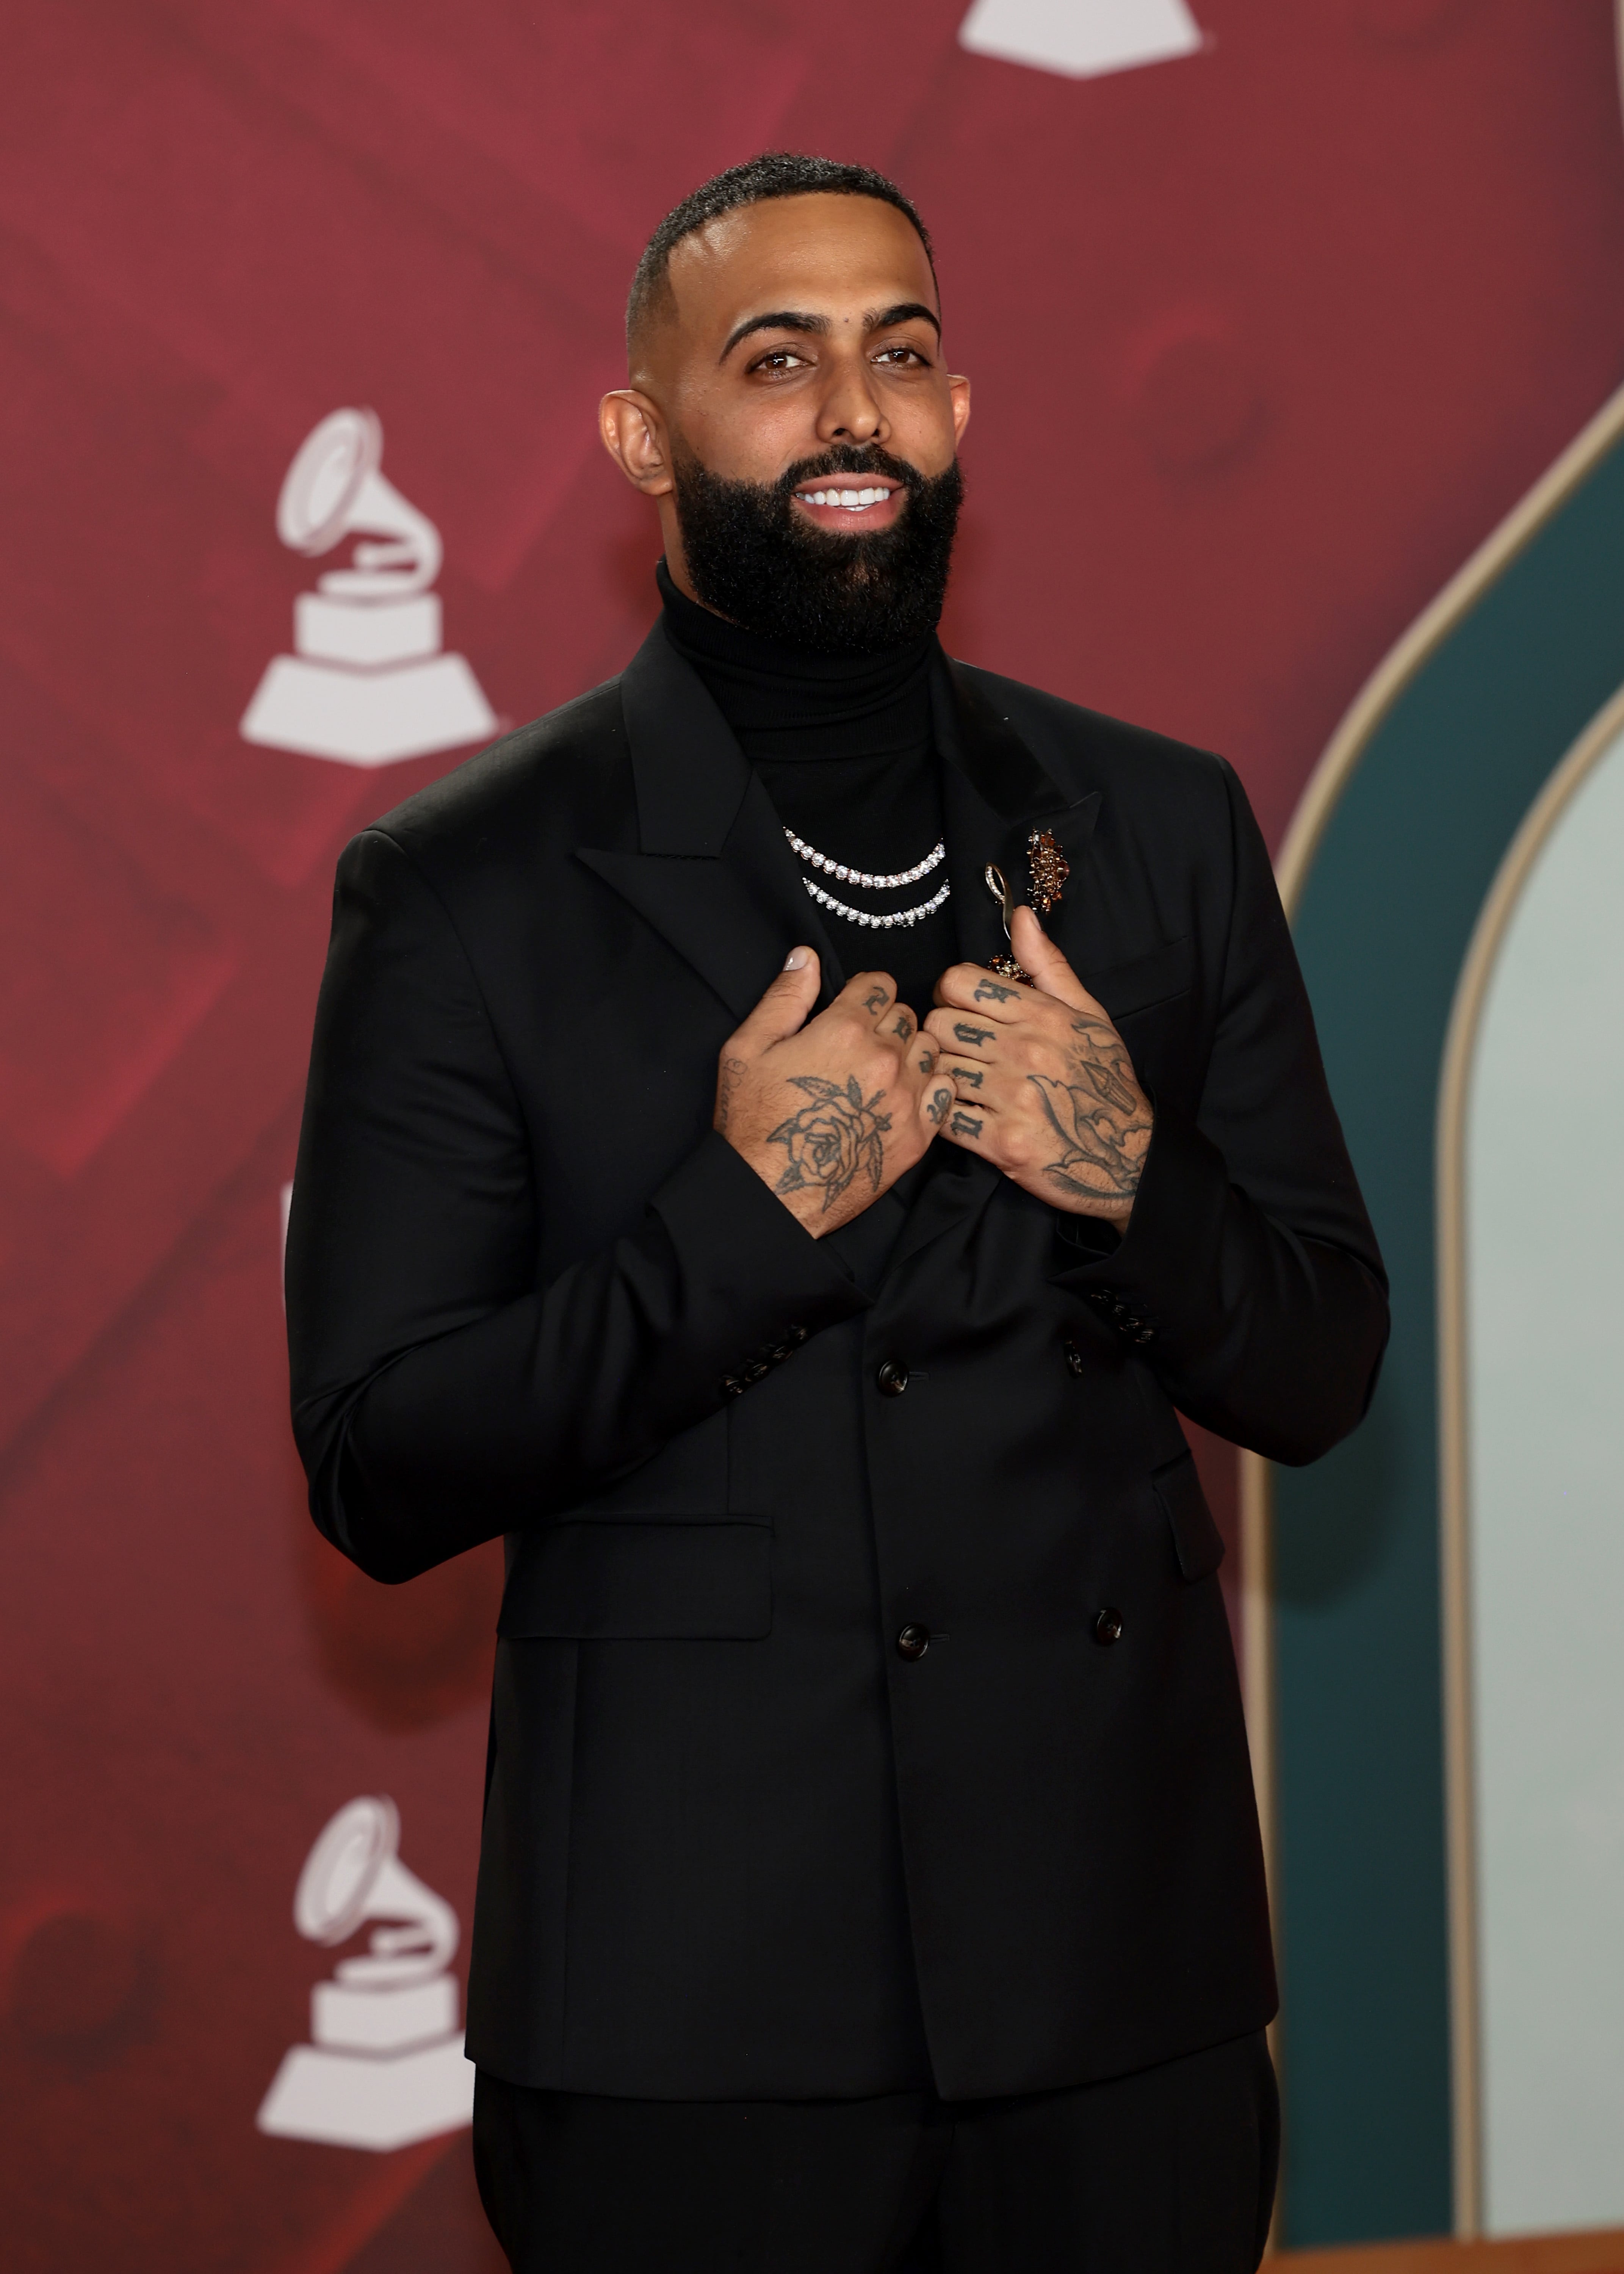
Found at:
<point>860,876</point>
<point>870,882</point>
<point>879,923</point>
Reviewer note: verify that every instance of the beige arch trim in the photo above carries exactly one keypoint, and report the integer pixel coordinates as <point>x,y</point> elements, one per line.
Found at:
<point>1330,778</point>
<point>1460,1053</point>
<point>1335,769</point>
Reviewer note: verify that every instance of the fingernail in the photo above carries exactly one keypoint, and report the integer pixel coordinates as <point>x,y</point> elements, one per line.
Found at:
<point>797,958</point>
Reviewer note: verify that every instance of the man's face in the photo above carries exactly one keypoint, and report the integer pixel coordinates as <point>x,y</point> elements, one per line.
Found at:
<point>792,415</point>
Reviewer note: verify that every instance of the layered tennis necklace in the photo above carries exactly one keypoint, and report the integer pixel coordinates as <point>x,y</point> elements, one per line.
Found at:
<point>866,882</point>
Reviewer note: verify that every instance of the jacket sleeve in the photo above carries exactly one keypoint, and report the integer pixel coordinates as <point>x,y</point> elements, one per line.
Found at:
<point>441,1393</point>
<point>1249,1278</point>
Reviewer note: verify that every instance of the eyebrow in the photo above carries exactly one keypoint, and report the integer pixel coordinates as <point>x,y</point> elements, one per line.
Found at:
<point>798,319</point>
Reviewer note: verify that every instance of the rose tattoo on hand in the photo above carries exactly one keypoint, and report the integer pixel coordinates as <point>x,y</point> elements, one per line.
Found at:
<point>832,1136</point>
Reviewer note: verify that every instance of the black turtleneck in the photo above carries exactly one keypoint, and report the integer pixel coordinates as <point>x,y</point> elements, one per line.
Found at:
<point>843,746</point>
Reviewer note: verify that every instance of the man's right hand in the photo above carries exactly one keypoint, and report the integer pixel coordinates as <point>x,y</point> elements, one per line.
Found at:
<point>830,1115</point>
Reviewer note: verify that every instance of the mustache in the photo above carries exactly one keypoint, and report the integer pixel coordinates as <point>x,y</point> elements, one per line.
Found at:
<point>849,458</point>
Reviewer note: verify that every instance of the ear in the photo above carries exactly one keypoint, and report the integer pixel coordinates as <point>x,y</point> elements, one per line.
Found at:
<point>959,391</point>
<point>634,434</point>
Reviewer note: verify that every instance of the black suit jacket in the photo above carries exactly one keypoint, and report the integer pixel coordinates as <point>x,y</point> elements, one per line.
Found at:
<point>736,1844</point>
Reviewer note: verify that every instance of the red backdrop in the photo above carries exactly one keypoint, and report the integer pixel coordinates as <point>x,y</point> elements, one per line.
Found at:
<point>1264,341</point>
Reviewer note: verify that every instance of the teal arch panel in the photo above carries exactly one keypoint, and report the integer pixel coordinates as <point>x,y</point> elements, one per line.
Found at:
<point>1382,925</point>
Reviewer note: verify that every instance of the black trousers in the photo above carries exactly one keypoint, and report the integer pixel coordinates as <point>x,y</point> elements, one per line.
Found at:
<point>1170,2171</point>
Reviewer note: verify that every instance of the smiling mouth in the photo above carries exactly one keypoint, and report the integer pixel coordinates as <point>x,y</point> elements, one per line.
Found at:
<point>848,500</point>
<point>866,501</point>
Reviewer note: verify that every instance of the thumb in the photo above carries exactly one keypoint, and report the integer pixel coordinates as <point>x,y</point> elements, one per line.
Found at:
<point>783,1009</point>
<point>1050,969</point>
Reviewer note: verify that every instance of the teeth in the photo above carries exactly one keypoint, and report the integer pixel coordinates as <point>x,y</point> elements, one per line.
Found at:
<point>853,500</point>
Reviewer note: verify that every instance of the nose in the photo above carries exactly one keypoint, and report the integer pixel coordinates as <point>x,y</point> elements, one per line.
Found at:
<point>849,411</point>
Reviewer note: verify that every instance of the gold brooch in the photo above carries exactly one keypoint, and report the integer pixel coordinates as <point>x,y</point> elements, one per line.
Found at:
<point>1048,870</point>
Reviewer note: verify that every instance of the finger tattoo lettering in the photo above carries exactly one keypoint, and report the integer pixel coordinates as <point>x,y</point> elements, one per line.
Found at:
<point>977,1037</point>
<point>927,1059</point>
<point>875,1000</point>
<point>936,1109</point>
<point>965,1125</point>
<point>904,1027</point>
<point>989,991</point>
<point>971,1076</point>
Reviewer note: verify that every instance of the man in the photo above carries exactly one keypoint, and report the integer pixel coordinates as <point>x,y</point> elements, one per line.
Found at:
<point>871,1871</point>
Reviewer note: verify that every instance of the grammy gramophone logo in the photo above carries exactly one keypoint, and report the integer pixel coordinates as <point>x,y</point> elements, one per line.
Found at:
<point>368,682</point>
<point>385,2064</point>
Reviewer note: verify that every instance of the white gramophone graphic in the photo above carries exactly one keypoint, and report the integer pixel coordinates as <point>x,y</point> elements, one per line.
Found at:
<point>386,2065</point>
<point>1081,39</point>
<point>369,684</point>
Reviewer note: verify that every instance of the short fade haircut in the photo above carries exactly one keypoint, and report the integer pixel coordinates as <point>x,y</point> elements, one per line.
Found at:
<point>775,174</point>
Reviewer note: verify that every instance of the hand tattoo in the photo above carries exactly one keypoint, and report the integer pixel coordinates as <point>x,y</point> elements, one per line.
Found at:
<point>927,1059</point>
<point>965,1125</point>
<point>977,1037</point>
<point>830,1139</point>
<point>727,1082</point>
<point>936,1110</point>
<point>971,1076</point>
<point>875,1000</point>
<point>1102,1119</point>
<point>989,990</point>
<point>904,1027</point>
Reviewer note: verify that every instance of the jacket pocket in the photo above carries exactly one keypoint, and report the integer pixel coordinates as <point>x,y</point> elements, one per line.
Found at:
<point>611,1579</point>
<point>1145,980</point>
<point>1197,1541</point>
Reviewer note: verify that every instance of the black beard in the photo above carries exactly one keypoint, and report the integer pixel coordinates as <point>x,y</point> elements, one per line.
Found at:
<point>752,557</point>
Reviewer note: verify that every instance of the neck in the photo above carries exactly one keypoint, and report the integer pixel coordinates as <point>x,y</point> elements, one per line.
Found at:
<point>849,704</point>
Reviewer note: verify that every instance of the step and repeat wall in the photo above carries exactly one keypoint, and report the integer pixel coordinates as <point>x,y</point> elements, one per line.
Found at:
<point>1274,312</point>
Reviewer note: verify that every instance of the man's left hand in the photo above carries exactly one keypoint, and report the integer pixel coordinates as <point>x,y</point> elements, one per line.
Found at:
<point>1042,1082</point>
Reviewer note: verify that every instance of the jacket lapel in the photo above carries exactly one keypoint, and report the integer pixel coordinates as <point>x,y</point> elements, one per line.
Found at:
<point>712,873</point>
<point>995,792</point>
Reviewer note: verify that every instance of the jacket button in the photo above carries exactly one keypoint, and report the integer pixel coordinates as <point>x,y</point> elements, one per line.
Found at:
<point>1107,1626</point>
<point>891,1381</point>
<point>913,1642</point>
